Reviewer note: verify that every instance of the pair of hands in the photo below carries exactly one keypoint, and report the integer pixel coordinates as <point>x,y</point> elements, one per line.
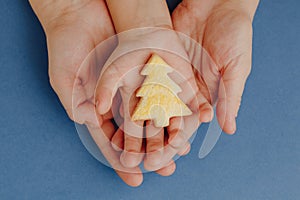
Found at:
<point>222,27</point>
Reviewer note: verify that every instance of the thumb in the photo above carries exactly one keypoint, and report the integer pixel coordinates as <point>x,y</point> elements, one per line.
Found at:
<point>122,70</point>
<point>69,72</point>
<point>72,95</point>
<point>62,84</point>
<point>107,88</point>
<point>230,93</point>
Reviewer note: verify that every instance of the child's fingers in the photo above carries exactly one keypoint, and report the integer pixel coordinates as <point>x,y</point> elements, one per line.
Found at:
<point>131,176</point>
<point>191,123</point>
<point>108,129</point>
<point>117,140</point>
<point>108,115</point>
<point>133,141</point>
<point>175,142</point>
<point>124,70</point>
<point>132,155</point>
<point>176,133</point>
<point>154,145</point>
<point>133,131</point>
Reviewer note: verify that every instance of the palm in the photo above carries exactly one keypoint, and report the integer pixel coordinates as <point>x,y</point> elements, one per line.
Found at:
<point>222,33</point>
<point>78,31</point>
<point>225,34</point>
<point>123,71</point>
<point>72,37</point>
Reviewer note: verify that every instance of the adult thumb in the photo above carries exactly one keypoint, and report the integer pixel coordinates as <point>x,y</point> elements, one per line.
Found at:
<point>230,92</point>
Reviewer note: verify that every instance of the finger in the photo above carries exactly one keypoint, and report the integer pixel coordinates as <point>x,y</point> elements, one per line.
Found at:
<point>107,88</point>
<point>133,131</point>
<point>133,137</point>
<point>123,71</point>
<point>154,145</point>
<point>67,72</point>
<point>131,179</point>
<point>175,141</point>
<point>85,114</point>
<point>82,104</point>
<point>132,155</point>
<point>191,123</point>
<point>117,140</point>
<point>108,115</point>
<point>205,109</point>
<point>168,170</point>
<point>74,81</point>
<point>176,134</point>
<point>108,129</point>
<point>230,93</point>
<point>185,150</point>
<point>72,95</point>
<point>131,176</point>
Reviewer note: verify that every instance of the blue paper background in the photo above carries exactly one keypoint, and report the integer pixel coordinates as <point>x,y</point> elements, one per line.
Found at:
<point>41,156</point>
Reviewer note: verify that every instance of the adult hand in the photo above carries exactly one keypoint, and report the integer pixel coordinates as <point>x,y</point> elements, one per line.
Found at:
<point>73,30</point>
<point>224,29</point>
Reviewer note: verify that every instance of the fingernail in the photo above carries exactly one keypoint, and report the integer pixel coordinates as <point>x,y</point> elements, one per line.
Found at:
<point>206,114</point>
<point>100,107</point>
<point>231,120</point>
<point>130,159</point>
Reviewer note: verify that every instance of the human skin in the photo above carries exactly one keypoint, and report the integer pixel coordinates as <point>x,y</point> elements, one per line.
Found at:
<point>224,29</point>
<point>70,37</point>
<point>139,15</point>
<point>73,29</point>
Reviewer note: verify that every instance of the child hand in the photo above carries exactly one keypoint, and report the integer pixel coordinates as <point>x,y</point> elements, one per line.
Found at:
<point>122,72</point>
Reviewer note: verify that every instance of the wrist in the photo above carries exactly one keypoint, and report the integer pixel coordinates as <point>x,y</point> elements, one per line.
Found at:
<point>139,14</point>
<point>48,11</point>
<point>147,21</point>
<point>146,36</point>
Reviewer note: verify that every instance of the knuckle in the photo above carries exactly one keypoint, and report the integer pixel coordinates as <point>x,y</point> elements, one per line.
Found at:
<point>133,143</point>
<point>154,144</point>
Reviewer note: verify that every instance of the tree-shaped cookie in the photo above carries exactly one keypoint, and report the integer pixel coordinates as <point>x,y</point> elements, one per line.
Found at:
<point>159,101</point>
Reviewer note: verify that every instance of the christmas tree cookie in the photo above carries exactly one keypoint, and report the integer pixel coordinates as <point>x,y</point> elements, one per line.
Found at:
<point>159,100</point>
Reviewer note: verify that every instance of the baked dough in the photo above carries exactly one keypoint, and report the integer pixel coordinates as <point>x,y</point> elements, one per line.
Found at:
<point>158,95</point>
